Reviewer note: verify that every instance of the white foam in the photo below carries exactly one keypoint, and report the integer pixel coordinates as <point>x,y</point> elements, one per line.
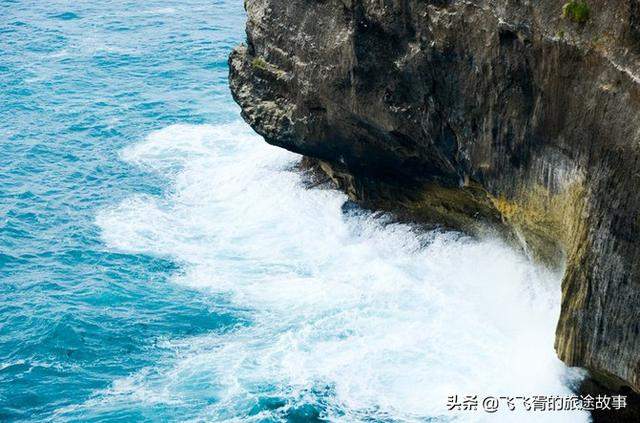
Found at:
<point>161,11</point>
<point>388,321</point>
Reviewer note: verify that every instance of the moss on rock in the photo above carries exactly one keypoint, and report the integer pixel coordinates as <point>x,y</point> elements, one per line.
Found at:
<point>576,11</point>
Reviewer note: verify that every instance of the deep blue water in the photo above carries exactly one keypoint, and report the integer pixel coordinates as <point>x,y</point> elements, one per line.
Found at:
<point>159,262</point>
<point>78,82</point>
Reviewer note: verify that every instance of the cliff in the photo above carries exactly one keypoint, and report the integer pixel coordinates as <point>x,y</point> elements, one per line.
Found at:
<point>503,112</point>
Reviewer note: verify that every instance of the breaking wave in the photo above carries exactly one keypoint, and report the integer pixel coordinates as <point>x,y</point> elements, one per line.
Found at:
<point>348,316</point>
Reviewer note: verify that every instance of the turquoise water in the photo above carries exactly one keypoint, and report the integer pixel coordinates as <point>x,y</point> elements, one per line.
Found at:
<point>159,262</point>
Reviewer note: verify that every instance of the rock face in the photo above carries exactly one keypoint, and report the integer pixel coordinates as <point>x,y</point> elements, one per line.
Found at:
<point>406,99</point>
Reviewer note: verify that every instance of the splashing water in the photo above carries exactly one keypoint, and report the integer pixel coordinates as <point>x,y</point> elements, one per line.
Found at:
<point>351,317</point>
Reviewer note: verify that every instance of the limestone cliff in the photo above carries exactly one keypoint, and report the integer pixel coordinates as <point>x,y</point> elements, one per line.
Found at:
<point>502,110</point>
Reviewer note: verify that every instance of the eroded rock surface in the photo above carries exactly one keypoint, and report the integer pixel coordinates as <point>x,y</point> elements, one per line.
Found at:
<point>539,113</point>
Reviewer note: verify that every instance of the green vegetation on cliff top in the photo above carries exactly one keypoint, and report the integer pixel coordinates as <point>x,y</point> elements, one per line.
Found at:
<point>576,11</point>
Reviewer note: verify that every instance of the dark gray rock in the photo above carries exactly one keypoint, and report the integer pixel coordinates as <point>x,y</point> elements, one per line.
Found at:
<point>540,113</point>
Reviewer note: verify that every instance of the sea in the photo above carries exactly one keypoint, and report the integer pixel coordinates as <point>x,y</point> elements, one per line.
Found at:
<point>160,262</point>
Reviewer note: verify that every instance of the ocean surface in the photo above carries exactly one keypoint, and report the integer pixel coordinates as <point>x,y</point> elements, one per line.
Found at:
<point>160,262</point>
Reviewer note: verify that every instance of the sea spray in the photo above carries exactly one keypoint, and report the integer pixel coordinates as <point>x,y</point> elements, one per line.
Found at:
<point>350,316</point>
